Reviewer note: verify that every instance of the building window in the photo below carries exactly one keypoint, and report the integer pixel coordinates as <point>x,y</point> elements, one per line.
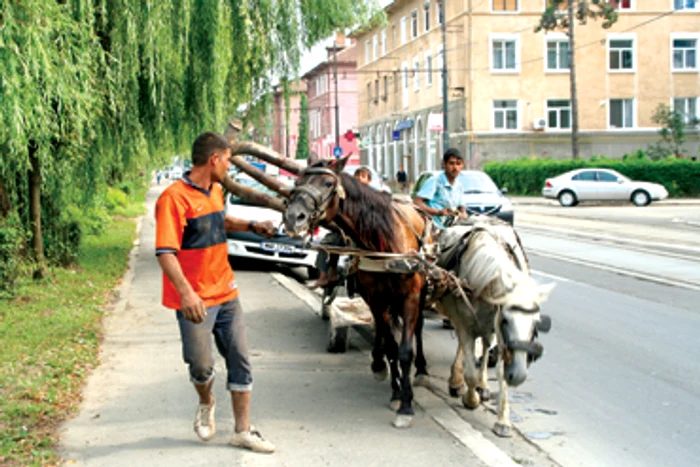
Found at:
<point>510,6</point>
<point>404,84</point>
<point>414,24</point>
<point>383,42</point>
<point>376,90</point>
<point>416,74</point>
<point>622,5</point>
<point>426,16</point>
<point>438,12</point>
<point>428,69</point>
<point>366,51</point>
<point>440,65</point>
<point>686,4</point>
<point>375,47</point>
<point>393,37</point>
<point>685,54</point>
<point>559,114</point>
<point>557,55</point>
<point>369,96</point>
<point>687,107</point>
<point>621,55</point>
<point>403,30</point>
<point>621,113</point>
<point>386,88</point>
<point>505,53</point>
<point>505,115</point>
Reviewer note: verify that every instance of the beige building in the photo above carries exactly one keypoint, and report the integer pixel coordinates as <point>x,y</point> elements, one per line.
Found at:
<point>508,87</point>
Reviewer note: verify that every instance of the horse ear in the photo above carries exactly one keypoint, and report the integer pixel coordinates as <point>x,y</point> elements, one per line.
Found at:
<point>544,290</point>
<point>339,164</point>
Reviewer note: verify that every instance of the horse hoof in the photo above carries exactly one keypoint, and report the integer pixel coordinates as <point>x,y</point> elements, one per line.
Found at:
<point>422,381</point>
<point>471,402</point>
<point>457,392</point>
<point>394,405</point>
<point>484,393</point>
<point>381,375</point>
<point>504,431</point>
<point>403,421</point>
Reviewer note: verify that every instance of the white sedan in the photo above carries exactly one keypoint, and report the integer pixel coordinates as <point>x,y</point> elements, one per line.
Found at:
<point>593,184</point>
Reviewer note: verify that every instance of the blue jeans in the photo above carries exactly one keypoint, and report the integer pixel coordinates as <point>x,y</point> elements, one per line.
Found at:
<point>225,322</point>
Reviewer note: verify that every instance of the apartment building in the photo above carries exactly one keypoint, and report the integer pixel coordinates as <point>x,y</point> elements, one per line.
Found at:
<point>508,88</point>
<point>321,93</point>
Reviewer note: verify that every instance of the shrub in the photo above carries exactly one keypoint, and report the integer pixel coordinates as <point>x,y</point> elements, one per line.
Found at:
<point>116,198</point>
<point>527,176</point>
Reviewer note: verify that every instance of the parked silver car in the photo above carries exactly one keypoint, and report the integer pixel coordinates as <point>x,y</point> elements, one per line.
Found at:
<point>594,184</point>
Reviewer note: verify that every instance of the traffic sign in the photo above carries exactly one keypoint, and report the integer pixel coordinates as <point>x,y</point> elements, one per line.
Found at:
<point>337,151</point>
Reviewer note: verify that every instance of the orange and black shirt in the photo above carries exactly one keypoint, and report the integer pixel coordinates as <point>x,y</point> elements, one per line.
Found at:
<point>190,224</point>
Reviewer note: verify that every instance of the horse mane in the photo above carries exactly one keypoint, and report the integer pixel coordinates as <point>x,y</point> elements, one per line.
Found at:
<point>491,272</point>
<point>373,214</point>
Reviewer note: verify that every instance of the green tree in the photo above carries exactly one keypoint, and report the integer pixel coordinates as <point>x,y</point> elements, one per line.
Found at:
<point>96,93</point>
<point>554,18</point>
<point>303,142</point>
<point>672,132</point>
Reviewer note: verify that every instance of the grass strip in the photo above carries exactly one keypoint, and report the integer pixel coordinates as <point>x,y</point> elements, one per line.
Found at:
<point>50,334</point>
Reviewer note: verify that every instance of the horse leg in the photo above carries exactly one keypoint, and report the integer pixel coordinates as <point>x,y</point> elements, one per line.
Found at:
<point>502,427</point>
<point>483,385</point>
<point>471,398</point>
<point>392,354</point>
<point>411,311</point>
<point>422,378</point>
<point>378,366</point>
<point>456,382</point>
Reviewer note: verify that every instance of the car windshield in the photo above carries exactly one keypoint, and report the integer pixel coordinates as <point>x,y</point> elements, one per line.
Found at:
<point>477,182</point>
<point>250,183</point>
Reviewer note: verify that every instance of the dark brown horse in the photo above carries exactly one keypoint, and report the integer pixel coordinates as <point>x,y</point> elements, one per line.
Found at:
<point>324,194</point>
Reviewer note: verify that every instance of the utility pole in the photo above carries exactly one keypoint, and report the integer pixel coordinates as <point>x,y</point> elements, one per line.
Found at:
<point>574,97</point>
<point>470,97</point>
<point>337,111</point>
<point>445,128</point>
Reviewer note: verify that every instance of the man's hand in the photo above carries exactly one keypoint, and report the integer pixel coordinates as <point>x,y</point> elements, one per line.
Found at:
<point>446,212</point>
<point>266,228</point>
<point>192,307</point>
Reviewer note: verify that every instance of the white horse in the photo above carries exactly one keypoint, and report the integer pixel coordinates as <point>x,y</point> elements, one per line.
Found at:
<point>504,299</point>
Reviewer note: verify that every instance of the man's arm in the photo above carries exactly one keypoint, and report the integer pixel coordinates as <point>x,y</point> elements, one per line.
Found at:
<point>420,203</point>
<point>234,224</point>
<point>191,305</point>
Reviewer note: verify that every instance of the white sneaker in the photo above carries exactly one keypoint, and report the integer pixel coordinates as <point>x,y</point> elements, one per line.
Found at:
<point>252,440</point>
<point>204,424</point>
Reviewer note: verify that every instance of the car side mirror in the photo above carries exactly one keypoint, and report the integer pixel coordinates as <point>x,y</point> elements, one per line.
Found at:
<point>620,180</point>
<point>504,190</point>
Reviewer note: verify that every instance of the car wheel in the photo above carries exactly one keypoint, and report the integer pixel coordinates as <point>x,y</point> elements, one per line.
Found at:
<point>567,198</point>
<point>641,198</point>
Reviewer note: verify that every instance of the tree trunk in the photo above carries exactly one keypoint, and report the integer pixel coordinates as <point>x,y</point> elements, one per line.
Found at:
<point>572,78</point>
<point>35,210</point>
<point>5,205</point>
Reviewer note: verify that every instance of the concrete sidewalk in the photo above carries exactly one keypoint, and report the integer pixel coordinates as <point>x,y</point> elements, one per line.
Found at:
<point>319,409</point>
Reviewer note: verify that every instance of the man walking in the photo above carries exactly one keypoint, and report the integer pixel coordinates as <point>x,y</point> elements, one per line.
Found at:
<point>199,283</point>
<point>402,179</point>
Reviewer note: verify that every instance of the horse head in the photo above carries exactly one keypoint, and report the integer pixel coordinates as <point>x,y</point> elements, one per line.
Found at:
<point>315,197</point>
<point>520,321</point>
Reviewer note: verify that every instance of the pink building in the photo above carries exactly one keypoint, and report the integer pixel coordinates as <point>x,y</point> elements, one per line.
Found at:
<point>320,85</point>
<point>286,144</point>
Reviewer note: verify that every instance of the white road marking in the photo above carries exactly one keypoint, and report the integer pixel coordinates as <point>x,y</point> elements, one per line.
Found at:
<point>551,276</point>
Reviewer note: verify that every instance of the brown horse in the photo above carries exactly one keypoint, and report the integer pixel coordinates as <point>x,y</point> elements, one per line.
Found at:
<point>324,194</point>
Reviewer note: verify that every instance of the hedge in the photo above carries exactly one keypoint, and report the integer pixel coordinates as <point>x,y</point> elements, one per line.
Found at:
<point>527,176</point>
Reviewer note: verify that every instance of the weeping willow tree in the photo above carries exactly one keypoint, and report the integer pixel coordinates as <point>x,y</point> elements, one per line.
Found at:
<point>95,93</point>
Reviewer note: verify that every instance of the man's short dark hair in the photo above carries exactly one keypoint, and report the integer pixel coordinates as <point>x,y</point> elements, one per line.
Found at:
<point>364,170</point>
<point>206,145</point>
<point>452,152</point>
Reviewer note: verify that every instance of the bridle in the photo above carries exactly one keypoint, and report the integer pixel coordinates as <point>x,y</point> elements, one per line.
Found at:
<point>320,201</point>
<point>533,348</point>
